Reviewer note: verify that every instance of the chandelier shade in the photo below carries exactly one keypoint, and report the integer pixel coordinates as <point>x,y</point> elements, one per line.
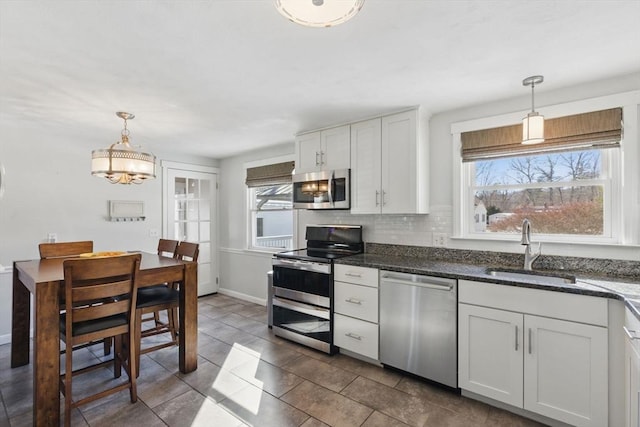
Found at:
<point>318,13</point>
<point>121,163</point>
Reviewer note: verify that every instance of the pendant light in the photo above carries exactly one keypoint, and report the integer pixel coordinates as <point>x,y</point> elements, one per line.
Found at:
<point>533,124</point>
<point>318,13</point>
<point>120,163</point>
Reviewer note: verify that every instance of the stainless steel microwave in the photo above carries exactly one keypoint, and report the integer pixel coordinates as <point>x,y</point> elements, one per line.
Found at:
<point>322,190</point>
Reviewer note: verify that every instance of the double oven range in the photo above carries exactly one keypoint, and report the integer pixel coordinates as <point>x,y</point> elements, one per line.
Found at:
<point>302,300</point>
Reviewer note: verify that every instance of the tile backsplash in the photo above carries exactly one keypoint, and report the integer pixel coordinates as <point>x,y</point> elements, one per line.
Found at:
<point>414,230</point>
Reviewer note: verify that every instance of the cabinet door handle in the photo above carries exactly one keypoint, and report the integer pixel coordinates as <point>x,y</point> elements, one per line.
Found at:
<point>317,156</point>
<point>353,274</point>
<point>377,198</point>
<point>321,157</point>
<point>516,337</point>
<point>354,301</point>
<point>384,193</point>
<point>530,341</point>
<point>631,334</point>
<point>354,336</point>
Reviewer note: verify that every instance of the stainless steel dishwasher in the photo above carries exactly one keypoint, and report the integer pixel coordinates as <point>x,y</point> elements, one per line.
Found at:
<point>418,325</point>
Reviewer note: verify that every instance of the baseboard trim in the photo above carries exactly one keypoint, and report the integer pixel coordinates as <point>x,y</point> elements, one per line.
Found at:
<point>242,296</point>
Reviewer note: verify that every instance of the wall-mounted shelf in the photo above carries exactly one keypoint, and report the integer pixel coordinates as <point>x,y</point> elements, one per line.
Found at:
<point>126,210</point>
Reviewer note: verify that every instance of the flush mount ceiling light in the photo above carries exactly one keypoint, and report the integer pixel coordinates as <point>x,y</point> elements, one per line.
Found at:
<point>120,163</point>
<point>319,13</point>
<point>533,124</point>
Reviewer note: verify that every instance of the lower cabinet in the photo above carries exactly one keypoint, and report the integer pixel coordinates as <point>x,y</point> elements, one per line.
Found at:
<point>632,370</point>
<point>556,368</point>
<point>355,319</point>
<point>356,335</point>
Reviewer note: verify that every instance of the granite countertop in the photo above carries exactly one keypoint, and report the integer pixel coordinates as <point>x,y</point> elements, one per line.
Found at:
<point>585,284</point>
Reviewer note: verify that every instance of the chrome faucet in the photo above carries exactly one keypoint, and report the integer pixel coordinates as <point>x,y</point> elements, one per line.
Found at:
<point>529,255</point>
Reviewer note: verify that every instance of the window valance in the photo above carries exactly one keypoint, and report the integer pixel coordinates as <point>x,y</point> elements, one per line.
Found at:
<point>601,129</point>
<point>274,174</point>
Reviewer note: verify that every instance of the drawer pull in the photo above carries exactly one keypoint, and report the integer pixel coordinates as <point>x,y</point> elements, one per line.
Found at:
<point>354,301</point>
<point>353,274</point>
<point>516,337</point>
<point>631,334</point>
<point>354,336</point>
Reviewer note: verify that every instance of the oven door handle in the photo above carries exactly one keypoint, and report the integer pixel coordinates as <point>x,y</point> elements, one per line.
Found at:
<point>322,313</point>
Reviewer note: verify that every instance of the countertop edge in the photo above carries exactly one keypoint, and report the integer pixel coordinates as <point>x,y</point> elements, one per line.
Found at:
<point>585,285</point>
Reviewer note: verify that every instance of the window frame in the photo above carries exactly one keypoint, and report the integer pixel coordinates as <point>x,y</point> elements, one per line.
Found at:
<point>608,181</point>
<point>621,202</point>
<point>249,229</point>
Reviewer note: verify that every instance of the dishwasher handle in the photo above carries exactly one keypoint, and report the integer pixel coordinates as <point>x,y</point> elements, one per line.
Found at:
<point>438,283</point>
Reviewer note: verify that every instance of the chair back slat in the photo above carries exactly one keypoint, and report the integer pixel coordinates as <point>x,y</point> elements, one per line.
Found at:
<point>167,247</point>
<point>113,281</point>
<point>92,312</point>
<point>100,290</point>
<point>188,251</point>
<point>64,249</point>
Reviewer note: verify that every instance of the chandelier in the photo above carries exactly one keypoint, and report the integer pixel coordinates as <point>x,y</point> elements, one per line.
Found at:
<point>319,13</point>
<point>120,163</point>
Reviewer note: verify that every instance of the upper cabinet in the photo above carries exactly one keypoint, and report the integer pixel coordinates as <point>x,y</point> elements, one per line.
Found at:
<point>327,149</point>
<point>389,166</point>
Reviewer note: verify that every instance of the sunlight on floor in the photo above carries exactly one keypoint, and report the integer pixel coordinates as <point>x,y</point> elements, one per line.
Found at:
<point>238,355</point>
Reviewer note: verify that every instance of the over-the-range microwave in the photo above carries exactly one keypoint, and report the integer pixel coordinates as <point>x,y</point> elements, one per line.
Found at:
<point>322,190</point>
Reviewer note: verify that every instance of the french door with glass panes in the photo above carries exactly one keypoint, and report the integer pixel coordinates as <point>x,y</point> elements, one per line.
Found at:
<point>190,214</point>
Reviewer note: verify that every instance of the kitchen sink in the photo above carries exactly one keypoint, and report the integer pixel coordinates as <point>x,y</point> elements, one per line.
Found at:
<point>531,276</point>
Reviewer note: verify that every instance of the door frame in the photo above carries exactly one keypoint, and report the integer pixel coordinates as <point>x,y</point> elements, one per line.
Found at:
<point>215,214</point>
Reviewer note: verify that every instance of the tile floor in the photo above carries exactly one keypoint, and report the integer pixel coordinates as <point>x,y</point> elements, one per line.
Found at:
<point>247,376</point>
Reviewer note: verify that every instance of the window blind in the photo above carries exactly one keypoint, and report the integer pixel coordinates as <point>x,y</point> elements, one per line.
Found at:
<point>274,174</point>
<point>596,129</point>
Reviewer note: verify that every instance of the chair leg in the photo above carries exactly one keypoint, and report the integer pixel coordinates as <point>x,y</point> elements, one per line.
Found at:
<point>137,343</point>
<point>173,323</point>
<point>107,346</point>
<point>68,378</point>
<point>117,356</point>
<point>132,364</point>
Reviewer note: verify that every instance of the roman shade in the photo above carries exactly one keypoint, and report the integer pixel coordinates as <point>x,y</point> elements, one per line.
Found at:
<point>274,174</point>
<point>596,129</point>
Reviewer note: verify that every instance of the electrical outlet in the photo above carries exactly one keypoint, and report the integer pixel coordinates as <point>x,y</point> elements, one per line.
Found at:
<point>52,237</point>
<point>439,239</point>
<point>153,232</point>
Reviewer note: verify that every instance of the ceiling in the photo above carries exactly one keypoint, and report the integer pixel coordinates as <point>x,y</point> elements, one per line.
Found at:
<point>217,78</point>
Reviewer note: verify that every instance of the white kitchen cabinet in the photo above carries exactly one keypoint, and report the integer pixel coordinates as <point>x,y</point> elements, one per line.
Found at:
<point>389,166</point>
<point>328,149</point>
<point>632,370</point>
<point>566,371</point>
<point>510,351</point>
<point>356,310</point>
<point>490,361</point>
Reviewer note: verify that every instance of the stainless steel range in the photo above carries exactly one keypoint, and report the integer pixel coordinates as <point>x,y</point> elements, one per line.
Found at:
<point>302,300</point>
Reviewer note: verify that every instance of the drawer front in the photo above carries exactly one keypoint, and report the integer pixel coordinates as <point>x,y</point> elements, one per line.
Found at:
<point>356,335</point>
<point>356,301</point>
<point>358,275</point>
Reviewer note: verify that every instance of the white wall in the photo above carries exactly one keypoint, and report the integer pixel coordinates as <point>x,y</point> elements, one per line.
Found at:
<point>49,189</point>
<point>243,273</point>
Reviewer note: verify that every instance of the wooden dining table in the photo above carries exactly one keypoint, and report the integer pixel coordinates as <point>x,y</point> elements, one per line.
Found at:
<point>43,278</point>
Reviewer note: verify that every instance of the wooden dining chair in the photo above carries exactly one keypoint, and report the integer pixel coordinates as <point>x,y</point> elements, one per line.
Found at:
<point>64,249</point>
<point>112,280</point>
<point>166,247</point>
<point>154,299</point>
<point>70,249</point>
